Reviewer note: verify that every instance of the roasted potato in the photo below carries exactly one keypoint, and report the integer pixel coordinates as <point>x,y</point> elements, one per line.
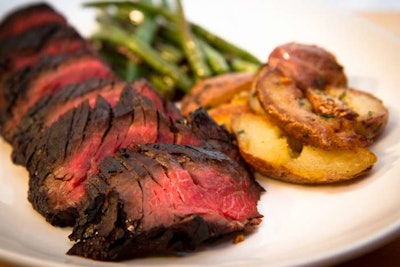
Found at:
<point>268,150</point>
<point>372,114</point>
<point>223,113</point>
<point>289,108</point>
<point>212,92</point>
<point>296,121</point>
<point>308,65</point>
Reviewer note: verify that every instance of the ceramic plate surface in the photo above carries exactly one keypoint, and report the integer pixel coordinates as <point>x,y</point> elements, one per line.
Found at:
<point>302,225</point>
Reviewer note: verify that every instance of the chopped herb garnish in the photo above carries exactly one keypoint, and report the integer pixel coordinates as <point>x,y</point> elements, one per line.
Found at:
<point>310,118</point>
<point>342,95</point>
<point>378,128</point>
<point>327,116</point>
<point>240,132</point>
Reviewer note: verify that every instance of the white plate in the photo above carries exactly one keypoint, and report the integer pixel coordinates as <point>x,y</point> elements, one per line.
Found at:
<point>302,225</point>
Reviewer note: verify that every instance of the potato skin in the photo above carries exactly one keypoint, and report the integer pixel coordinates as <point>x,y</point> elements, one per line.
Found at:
<point>211,92</point>
<point>223,113</point>
<point>372,117</point>
<point>288,107</point>
<point>292,129</point>
<point>308,65</point>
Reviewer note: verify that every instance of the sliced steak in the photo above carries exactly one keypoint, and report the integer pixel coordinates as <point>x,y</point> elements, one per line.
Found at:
<point>25,49</point>
<point>27,40</point>
<point>50,108</point>
<point>66,153</point>
<point>26,87</point>
<point>205,127</point>
<point>162,104</point>
<point>158,199</point>
<point>28,17</point>
<point>112,158</point>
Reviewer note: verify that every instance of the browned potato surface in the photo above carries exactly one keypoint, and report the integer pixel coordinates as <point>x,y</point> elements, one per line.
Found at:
<point>289,108</point>
<point>223,113</point>
<point>372,114</point>
<point>295,120</point>
<point>308,65</point>
<point>267,149</point>
<point>214,91</point>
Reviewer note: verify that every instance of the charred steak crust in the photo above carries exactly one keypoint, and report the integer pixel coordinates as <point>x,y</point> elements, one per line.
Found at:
<point>29,17</point>
<point>66,153</point>
<point>114,159</point>
<point>51,107</point>
<point>131,213</point>
<point>25,49</point>
<point>23,89</point>
<point>29,40</point>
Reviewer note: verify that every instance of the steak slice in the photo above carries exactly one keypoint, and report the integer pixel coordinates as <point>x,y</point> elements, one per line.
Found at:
<point>217,136</point>
<point>25,49</point>
<point>50,108</point>
<point>65,154</point>
<point>27,40</point>
<point>163,199</point>
<point>25,88</point>
<point>112,158</point>
<point>162,104</point>
<point>28,17</point>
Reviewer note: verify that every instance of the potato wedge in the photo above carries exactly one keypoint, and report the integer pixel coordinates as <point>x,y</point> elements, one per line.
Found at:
<point>288,107</point>
<point>223,113</point>
<point>215,91</point>
<point>267,149</point>
<point>372,114</point>
<point>308,65</point>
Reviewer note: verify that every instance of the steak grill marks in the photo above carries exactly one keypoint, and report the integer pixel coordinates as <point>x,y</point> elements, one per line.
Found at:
<point>129,192</point>
<point>29,17</point>
<point>114,159</point>
<point>24,88</point>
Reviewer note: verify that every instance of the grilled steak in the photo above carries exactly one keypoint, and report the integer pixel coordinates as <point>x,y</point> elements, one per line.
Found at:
<point>161,198</point>
<point>29,17</point>
<point>68,151</point>
<point>114,159</point>
<point>23,89</point>
<point>51,107</point>
<point>25,49</point>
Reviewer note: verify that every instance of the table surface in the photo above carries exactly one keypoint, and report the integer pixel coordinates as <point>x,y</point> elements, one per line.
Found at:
<point>389,254</point>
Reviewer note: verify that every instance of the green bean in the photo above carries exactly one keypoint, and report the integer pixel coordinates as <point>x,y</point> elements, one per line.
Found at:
<point>223,45</point>
<point>213,39</point>
<point>114,59</point>
<point>169,33</point>
<point>238,64</point>
<point>129,5</point>
<point>164,84</point>
<point>216,60</point>
<point>169,51</point>
<point>132,71</point>
<point>147,53</point>
<point>145,31</point>
<point>166,46</point>
<point>190,48</point>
